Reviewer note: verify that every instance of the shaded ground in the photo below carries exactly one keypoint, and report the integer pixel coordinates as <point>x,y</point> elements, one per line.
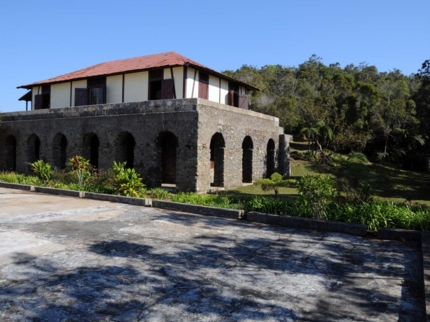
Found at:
<point>65,259</point>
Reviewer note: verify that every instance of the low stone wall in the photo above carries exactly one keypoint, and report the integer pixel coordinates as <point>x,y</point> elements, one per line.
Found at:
<point>307,223</point>
<point>399,234</point>
<point>196,209</point>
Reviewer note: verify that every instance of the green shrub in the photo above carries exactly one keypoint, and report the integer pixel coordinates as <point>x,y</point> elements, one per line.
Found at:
<point>126,181</point>
<point>42,170</point>
<point>159,193</point>
<point>20,178</point>
<point>270,184</point>
<point>101,182</point>
<point>62,176</point>
<point>317,192</point>
<point>204,200</point>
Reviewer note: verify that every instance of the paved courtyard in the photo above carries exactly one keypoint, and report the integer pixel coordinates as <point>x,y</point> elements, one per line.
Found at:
<point>70,259</point>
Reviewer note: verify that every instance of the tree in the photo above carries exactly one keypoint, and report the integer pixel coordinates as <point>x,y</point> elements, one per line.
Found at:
<point>270,184</point>
<point>422,101</point>
<point>316,132</point>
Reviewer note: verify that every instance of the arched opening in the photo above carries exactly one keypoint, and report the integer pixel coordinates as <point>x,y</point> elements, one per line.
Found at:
<point>217,147</point>
<point>126,146</point>
<point>270,158</point>
<point>59,151</point>
<point>247,150</point>
<point>91,149</point>
<point>10,153</point>
<point>167,143</point>
<point>33,148</point>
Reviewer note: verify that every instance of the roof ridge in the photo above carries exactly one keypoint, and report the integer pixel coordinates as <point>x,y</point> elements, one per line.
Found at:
<point>120,66</point>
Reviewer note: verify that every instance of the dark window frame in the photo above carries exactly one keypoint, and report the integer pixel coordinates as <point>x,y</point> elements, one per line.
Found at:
<point>155,76</point>
<point>43,100</point>
<point>96,84</point>
<point>203,85</point>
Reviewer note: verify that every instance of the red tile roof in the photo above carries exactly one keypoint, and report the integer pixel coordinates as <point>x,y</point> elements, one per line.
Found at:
<point>132,64</point>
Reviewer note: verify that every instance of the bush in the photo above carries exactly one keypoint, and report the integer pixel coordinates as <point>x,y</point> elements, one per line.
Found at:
<point>63,177</point>
<point>381,214</point>
<point>14,177</point>
<point>101,182</point>
<point>270,184</point>
<point>204,200</point>
<point>317,192</point>
<point>158,193</point>
<point>42,170</point>
<point>126,181</point>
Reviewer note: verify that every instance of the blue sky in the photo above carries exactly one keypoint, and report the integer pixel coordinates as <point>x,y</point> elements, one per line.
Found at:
<point>42,39</point>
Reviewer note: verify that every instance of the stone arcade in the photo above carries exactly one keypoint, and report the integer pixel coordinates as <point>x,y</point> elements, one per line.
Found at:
<point>172,119</point>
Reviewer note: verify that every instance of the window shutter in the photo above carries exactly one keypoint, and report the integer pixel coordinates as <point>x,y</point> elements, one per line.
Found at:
<point>81,96</point>
<point>38,102</point>
<point>243,102</point>
<point>203,85</point>
<point>167,89</point>
<point>203,90</point>
<point>231,98</point>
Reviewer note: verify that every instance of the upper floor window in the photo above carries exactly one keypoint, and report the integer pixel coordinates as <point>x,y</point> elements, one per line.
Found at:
<point>95,93</point>
<point>160,88</point>
<point>203,85</point>
<point>43,100</point>
<point>96,90</point>
<point>96,96</point>
<point>155,80</point>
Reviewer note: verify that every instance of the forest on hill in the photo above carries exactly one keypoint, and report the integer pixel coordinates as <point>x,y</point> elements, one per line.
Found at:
<point>385,115</point>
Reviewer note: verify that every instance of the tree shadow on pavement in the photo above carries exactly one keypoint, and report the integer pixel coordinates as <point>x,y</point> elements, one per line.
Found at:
<point>258,273</point>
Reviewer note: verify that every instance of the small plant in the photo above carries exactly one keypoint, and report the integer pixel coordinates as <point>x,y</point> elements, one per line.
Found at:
<point>270,184</point>
<point>127,181</point>
<point>204,200</point>
<point>81,167</point>
<point>101,181</point>
<point>42,170</point>
<point>317,192</point>
<point>20,178</point>
<point>365,192</point>
<point>158,193</point>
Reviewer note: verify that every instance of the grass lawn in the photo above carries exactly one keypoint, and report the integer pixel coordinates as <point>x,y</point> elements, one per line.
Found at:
<point>387,181</point>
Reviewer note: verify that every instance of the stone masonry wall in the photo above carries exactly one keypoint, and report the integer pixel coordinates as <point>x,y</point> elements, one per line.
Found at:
<point>234,124</point>
<point>192,121</point>
<point>144,120</point>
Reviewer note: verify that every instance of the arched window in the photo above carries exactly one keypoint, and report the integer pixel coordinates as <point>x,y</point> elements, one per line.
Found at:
<point>167,143</point>
<point>33,148</point>
<point>59,151</point>
<point>125,149</point>
<point>247,151</point>
<point>91,149</point>
<point>11,153</point>
<point>217,147</point>
<point>270,155</point>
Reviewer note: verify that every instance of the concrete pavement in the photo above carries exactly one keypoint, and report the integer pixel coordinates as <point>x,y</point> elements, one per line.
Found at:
<point>71,259</point>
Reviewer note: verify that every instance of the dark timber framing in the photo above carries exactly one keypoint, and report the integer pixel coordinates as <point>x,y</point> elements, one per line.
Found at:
<point>71,89</point>
<point>173,80</point>
<point>123,81</point>
<point>194,82</point>
<point>184,87</point>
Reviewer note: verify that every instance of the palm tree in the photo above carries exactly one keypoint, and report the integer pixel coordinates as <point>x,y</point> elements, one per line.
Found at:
<point>317,131</point>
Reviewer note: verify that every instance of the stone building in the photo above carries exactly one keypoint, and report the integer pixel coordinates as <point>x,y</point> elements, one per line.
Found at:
<point>172,119</point>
